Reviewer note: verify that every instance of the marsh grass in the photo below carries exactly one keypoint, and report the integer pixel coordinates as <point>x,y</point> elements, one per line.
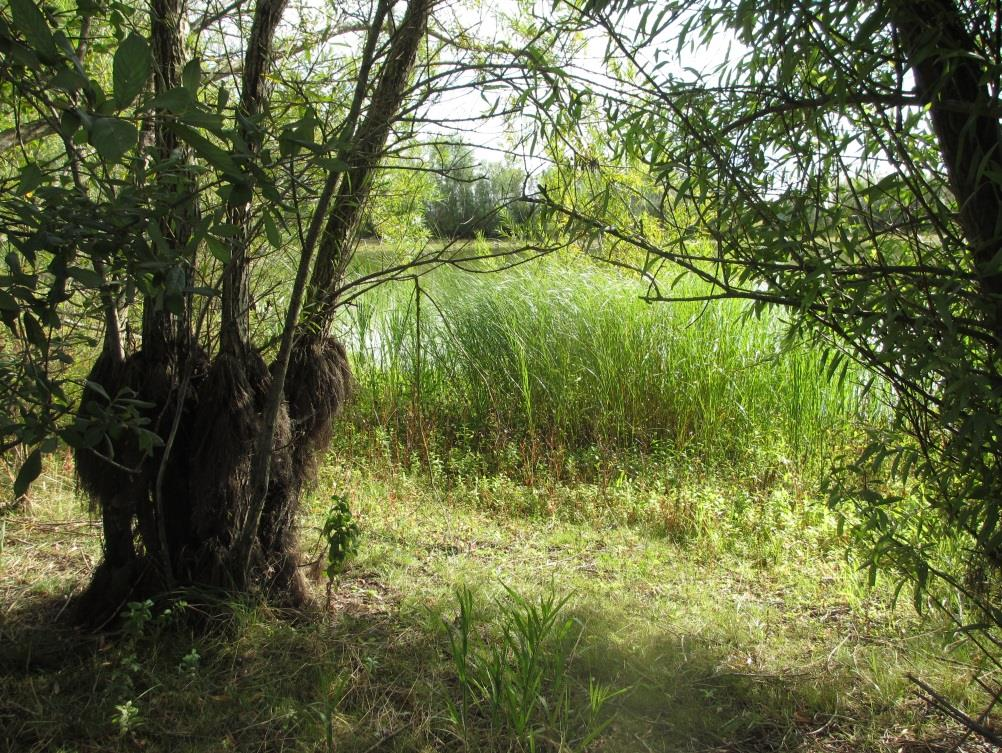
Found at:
<point>546,364</point>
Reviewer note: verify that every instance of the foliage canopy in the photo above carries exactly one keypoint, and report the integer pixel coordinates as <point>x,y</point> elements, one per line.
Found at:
<point>845,161</point>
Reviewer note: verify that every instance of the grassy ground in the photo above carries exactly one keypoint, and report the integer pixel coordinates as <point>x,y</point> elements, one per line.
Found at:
<point>701,644</point>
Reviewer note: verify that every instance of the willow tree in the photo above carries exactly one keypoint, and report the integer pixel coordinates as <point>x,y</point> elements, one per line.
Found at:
<point>843,162</point>
<point>132,185</point>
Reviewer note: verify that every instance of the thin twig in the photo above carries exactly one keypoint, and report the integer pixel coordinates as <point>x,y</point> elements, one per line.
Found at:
<point>952,711</point>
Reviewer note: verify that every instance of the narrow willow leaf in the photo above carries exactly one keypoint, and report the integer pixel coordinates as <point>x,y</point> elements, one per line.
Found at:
<point>28,472</point>
<point>191,76</point>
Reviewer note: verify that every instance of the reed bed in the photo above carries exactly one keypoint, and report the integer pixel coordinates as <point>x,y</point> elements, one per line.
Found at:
<point>562,356</point>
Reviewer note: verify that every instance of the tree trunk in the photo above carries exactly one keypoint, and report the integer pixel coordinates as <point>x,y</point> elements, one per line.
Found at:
<point>316,381</point>
<point>130,492</point>
<point>311,374</point>
<point>169,516</point>
<point>236,277</point>
<point>951,77</point>
<point>195,512</point>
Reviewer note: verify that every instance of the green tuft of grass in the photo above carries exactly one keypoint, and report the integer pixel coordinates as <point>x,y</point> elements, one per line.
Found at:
<point>517,677</point>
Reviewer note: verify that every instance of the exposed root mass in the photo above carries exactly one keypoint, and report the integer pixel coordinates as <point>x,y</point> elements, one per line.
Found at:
<point>171,515</point>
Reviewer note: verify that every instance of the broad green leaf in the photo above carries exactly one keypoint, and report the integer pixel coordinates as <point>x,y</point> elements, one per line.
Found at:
<point>31,178</point>
<point>23,56</point>
<point>218,248</point>
<point>69,80</point>
<point>28,472</point>
<point>69,123</point>
<point>30,21</point>
<point>112,137</point>
<point>86,277</point>
<point>177,100</point>
<point>131,69</point>
<point>191,76</point>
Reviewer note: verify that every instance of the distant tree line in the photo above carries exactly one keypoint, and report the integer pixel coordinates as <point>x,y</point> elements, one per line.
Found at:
<point>472,198</point>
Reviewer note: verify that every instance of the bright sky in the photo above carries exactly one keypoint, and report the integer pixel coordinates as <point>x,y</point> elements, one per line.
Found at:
<point>498,138</point>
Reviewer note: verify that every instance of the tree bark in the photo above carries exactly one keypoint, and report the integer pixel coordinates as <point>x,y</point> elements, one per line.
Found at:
<point>310,375</point>
<point>363,158</point>
<point>216,506</point>
<point>144,496</point>
<point>236,298</point>
<point>951,77</point>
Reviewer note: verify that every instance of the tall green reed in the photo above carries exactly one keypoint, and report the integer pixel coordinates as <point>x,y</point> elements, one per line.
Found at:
<point>559,356</point>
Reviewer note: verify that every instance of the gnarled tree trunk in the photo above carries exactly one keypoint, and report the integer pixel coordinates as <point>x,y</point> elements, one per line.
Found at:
<point>216,505</point>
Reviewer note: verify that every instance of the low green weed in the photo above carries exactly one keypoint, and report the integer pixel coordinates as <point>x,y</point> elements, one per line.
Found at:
<point>340,533</point>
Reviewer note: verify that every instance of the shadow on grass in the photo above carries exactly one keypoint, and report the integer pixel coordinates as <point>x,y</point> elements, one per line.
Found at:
<point>367,677</point>
<point>243,678</point>
<point>680,695</point>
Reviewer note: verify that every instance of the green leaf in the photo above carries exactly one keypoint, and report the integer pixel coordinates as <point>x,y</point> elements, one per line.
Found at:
<point>69,80</point>
<point>196,117</point>
<point>218,248</point>
<point>69,123</point>
<point>23,56</point>
<point>31,178</point>
<point>191,76</point>
<point>96,387</point>
<point>112,137</point>
<point>271,230</point>
<point>86,277</point>
<point>208,151</point>
<point>30,21</point>
<point>34,332</point>
<point>148,440</point>
<point>131,69</point>
<point>177,100</point>
<point>31,470</point>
